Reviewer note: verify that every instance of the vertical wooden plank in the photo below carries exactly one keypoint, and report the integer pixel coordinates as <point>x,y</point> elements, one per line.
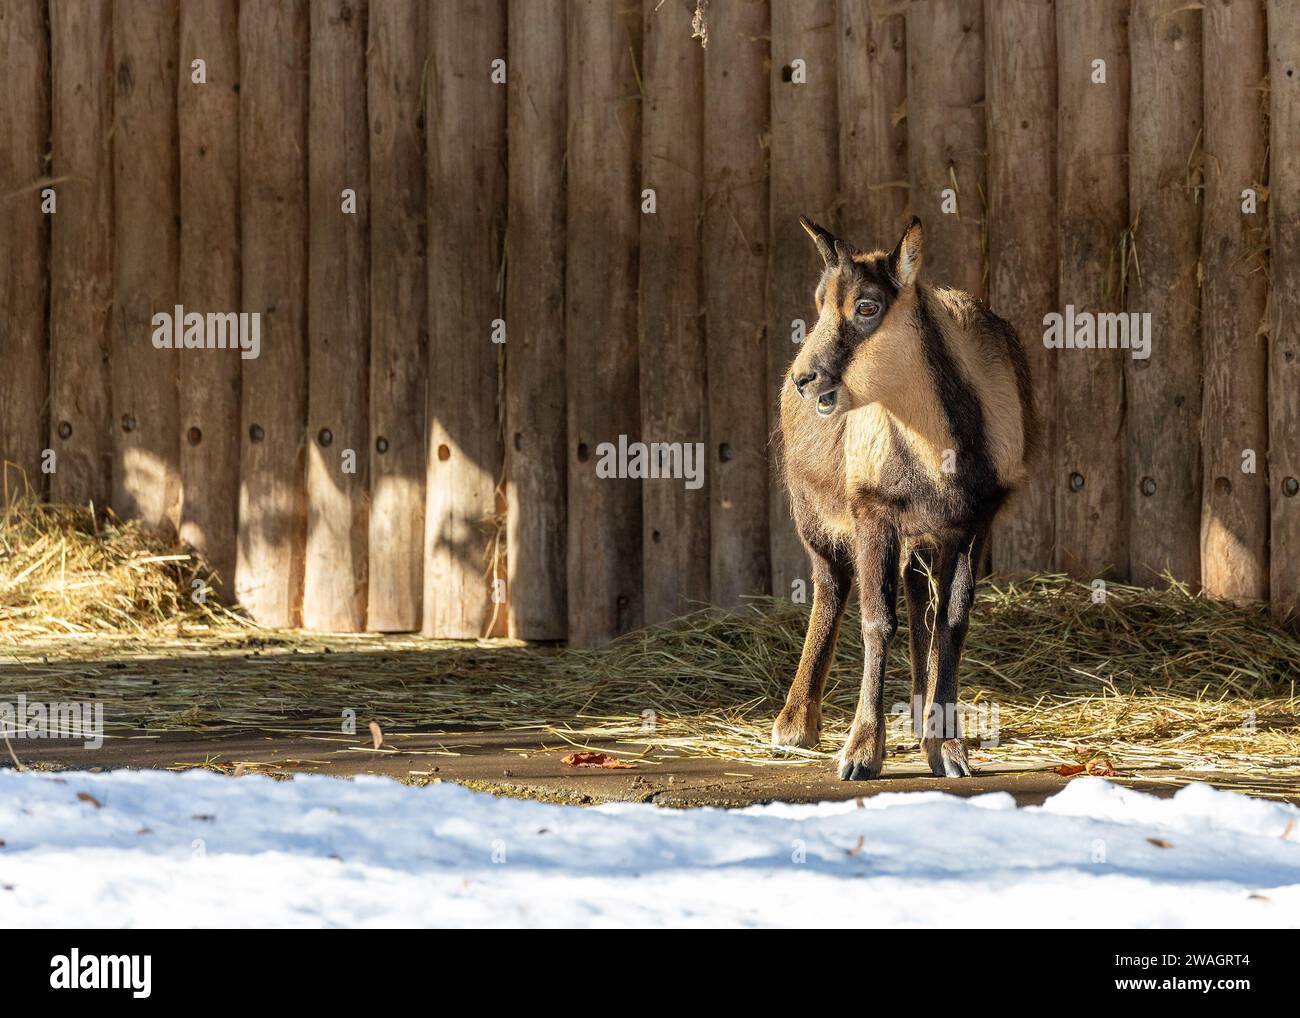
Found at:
<point>946,137</point>
<point>1234,503</point>
<point>871,64</point>
<point>81,252</point>
<point>146,422</point>
<point>466,222</point>
<point>398,307</point>
<point>24,247</point>
<point>1284,355</point>
<point>209,281</point>
<point>675,515</point>
<point>805,181</point>
<point>735,244</point>
<point>604,520</point>
<point>1163,392</point>
<point>1092,197</point>
<point>273,207</point>
<point>338,313</point>
<point>535,384</point>
<point>1020,40</point>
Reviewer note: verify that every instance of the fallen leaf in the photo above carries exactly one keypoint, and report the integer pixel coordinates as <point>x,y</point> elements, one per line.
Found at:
<point>87,797</point>
<point>239,770</point>
<point>1101,768</point>
<point>376,734</point>
<point>1160,842</point>
<point>1069,770</point>
<point>592,759</point>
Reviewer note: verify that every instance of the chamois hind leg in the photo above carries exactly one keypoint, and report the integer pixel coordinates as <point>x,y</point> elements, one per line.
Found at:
<point>941,739</point>
<point>800,722</point>
<point>876,539</point>
<point>922,565</point>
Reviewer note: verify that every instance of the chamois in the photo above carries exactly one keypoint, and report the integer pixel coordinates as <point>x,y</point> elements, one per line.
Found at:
<point>906,420</point>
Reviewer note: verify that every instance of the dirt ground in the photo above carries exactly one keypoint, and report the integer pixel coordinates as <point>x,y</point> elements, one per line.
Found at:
<point>517,764</point>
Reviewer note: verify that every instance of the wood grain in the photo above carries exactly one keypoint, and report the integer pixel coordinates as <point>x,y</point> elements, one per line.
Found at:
<point>1163,392</point>
<point>398,313</point>
<point>1234,289</point>
<point>338,319</point>
<point>535,384</point>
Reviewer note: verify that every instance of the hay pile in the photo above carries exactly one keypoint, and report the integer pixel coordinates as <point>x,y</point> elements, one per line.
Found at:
<point>63,570</point>
<point>1149,679</point>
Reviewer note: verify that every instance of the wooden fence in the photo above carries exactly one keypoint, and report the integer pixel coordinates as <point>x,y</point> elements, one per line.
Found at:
<point>484,240</point>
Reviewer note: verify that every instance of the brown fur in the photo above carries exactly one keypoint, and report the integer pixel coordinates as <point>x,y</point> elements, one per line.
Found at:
<point>926,424</point>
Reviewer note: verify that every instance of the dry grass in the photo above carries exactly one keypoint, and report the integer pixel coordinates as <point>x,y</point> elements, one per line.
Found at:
<point>1149,679</point>
<point>69,570</point>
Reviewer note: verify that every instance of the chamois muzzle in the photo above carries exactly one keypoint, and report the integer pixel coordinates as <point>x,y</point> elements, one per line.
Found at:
<point>821,385</point>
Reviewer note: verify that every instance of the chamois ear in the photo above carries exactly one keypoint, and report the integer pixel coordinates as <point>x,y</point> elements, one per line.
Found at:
<point>905,259</point>
<point>824,239</point>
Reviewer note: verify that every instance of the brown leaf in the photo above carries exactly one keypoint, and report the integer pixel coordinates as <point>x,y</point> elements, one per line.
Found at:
<point>376,735</point>
<point>1160,842</point>
<point>1069,770</point>
<point>1101,769</point>
<point>589,758</point>
<point>87,797</point>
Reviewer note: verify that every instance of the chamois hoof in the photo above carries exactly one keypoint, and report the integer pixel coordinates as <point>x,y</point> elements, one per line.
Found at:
<point>863,756</point>
<point>859,770</point>
<point>798,727</point>
<point>947,758</point>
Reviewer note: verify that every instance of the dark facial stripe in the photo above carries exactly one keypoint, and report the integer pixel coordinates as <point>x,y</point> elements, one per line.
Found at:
<point>975,471</point>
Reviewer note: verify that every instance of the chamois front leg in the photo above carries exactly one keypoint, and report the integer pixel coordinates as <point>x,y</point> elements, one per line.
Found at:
<point>921,568</point>
<point>941,738</point>
<point>877,566</point>
<point>800,722</point>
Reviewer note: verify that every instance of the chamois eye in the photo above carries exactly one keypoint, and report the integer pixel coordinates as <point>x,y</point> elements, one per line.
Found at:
<point>867,308</point>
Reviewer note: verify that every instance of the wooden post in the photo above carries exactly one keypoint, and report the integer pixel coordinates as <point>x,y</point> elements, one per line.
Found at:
<point>735,240</point>
<point>604,520</point>
<point>675,510</point>
<point>1284,358</point>
<point>24,246</point>
<point>81,252</point>
<point>871,64</point>
<point>209,281</point>
<point>1234,289</point>
<point>398,309</point>
<point>1163,391</point>
<point>805,181</point>
<point>535,385</point>
<point>1020,40</point>
<point>466,135</point>
<point>146,421</point>
<point>338,315</point>
<point>273,205</point>
<point>945,138</point>
<point>1092,197</point>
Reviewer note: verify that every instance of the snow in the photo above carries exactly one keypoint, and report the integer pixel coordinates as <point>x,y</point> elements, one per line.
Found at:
<point>202,849</point>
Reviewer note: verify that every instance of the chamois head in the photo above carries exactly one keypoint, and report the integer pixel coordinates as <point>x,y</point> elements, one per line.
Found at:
<point>854,297</point>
